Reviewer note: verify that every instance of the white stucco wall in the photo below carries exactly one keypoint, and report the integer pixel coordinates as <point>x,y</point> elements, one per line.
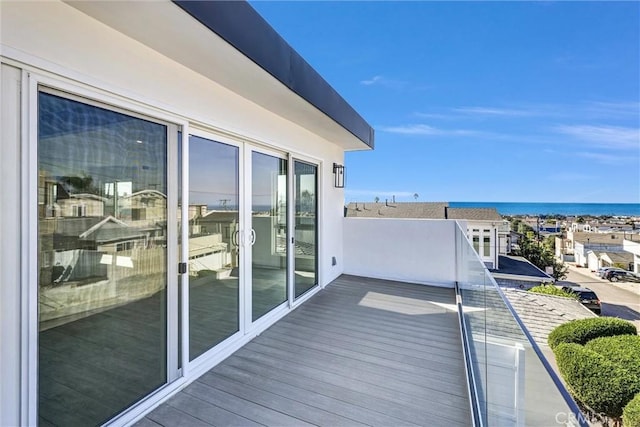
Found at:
<point>593,263</point>
<point>10,214</point>
<point>410,250</point>
<point>634,248</point>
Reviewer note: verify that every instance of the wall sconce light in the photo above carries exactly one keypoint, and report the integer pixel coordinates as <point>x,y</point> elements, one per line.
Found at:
<point>338,175</point>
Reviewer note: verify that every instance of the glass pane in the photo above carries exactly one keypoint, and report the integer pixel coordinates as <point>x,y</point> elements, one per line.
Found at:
<point>102,238</point>
<point>269,231</point>
<point>306,231</point>
<point>213,243</point>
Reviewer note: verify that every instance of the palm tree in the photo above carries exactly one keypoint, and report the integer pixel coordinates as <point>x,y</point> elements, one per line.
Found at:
<point>377,199</point>
<point>415,196</point>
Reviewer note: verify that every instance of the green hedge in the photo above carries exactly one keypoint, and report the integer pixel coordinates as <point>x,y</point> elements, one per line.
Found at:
<point>622,349</point>
<point>552,290</point>
<point>603,385</point>
<point>583,330</point>
<point>631,413</point>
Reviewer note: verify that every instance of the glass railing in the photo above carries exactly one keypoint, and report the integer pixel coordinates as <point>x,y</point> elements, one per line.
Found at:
<point>511,382</point>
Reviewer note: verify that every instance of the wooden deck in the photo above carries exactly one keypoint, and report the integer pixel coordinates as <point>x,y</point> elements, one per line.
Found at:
<point>360,352</point>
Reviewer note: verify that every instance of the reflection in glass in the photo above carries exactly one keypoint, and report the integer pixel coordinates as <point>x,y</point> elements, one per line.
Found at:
<point>102,237</point>
<point>306,228</point>
<point>269,233</point>
<point>213,243</point>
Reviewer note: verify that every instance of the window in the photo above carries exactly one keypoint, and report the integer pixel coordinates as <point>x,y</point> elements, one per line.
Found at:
<point>486,246</point>
<point>476,243</point>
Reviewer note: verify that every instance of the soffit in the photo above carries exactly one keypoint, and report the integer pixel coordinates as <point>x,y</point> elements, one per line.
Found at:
<point>166,28</point>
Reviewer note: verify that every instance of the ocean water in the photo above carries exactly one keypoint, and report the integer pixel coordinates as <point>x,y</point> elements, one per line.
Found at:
<point>594,209</point>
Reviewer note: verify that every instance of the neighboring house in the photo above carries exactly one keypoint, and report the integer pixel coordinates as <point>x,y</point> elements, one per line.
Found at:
<point>168,195</point>
<point>542,225</point>
<point>519,273</point>
<point>388,209</point>
<point>579,244</point>
<point>633,247</point>
<point>486,230</point>
<point>578,227</point>
<point>616,259</point>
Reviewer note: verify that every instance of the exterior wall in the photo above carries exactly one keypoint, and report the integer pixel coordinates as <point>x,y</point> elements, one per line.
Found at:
<point>42,39</point>
<point>593,262</point>
<point>634,248</point>
<point>411,250</point>
<point>579,253</point>
<point>10,247</point>
<point>490,259</point>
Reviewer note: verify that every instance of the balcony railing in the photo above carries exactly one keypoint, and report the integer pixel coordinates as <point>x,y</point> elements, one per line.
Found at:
<point>510,381</point>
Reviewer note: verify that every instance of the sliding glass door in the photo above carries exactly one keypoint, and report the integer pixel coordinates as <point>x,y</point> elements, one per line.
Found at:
<point>268,233</point>
<point>108,188</point>
<point>214,245</point>
<point>306,227</point>
<point>103,333</point>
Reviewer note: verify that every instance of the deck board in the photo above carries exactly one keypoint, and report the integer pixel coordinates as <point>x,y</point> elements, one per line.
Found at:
<point>348,356</point>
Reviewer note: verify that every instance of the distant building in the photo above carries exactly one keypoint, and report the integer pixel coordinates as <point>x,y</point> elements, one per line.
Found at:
<point>579,244</point>
<point>633,248</point>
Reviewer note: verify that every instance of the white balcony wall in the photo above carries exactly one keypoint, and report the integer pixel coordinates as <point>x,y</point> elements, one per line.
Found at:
<point>410,250</point>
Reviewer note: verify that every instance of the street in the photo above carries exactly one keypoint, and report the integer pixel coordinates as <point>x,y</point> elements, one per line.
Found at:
<point>618,300</point>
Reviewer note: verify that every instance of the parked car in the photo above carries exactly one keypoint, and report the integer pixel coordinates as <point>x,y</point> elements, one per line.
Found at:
<point>604,270</point>
<point>607,274</point>
<point>623,276</point>
<point>587,297</point>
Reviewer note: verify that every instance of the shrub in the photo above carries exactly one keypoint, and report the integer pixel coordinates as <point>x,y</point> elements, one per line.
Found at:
<point>623,350</point>
<point>552,290</point>
<point>603,385</point>
<point>631,413</point>
<point>583,330</point>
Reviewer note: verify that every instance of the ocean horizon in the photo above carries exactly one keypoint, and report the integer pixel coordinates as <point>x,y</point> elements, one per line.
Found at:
<point>557,208</point>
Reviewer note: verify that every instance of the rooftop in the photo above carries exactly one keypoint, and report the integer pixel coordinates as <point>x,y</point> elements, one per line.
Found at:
<point>542,313</point>
<point>600,239</point>
<point>477,214</point>
<point>519,266</point>
<point>621,257</point>
<point>361,352</point>
<point>425,210</point>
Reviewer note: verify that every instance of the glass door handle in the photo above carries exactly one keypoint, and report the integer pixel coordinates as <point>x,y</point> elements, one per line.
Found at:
<point>234,238</point>
<point>253,236</point>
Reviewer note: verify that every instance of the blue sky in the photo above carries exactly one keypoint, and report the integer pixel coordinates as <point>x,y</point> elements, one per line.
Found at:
<point>482,101</point>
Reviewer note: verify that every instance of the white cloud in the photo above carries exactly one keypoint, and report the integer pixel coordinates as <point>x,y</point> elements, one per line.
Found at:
<point>490,111</point>
<point>613,109</point>
<point>605,157</point>
<point>421,129</point>
<point>434,116</point>
<point>383,81</point>
<point>613,137</point>
<point>371,81</point>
